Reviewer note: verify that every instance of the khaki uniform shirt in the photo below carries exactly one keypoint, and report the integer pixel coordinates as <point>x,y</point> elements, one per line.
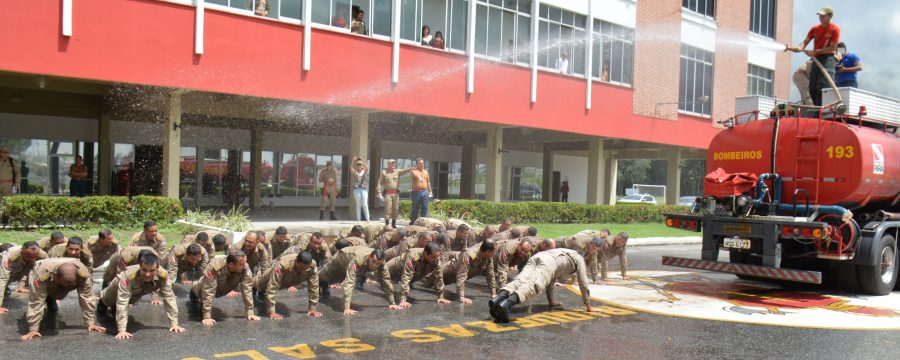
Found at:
<point>218,282</point>
<point>13,268</point>
<point>128,288</point>
<point>465,265</point>
<point>389,180</point>
<point>412,230</point>
<point>158,244</point>
<point>6,172</point>
<point>544,268</point>
<point>45,243</point>
<point>176,262</point>
<point>43,287</point>
<point>580,243</point>
<point>283,275</point>
<point>453,224</point>
<point>371,232</point>
<point>429,223</point>
<point>328,179</point>
<point>258,259</point>
<point>321,257</point>
<point>210,249</point>
<point>460,241</point>
<point>276,248</point>
<point>608,252</point>
<point>59,251</point>
<point>125,258</point>
<point>101,256</point>
<point>506,257</point>
<point>352,262</point>
<point>385,241</point>
<point>412,267</point>
<point>401,248</point>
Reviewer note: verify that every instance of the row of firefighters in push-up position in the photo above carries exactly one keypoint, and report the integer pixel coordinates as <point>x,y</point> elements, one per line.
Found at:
<point>261,264</point>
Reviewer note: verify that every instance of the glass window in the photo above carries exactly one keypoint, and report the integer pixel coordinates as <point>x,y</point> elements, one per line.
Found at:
<point>759,80</point>
<point>523,48</point>
<point>187,189</point>
<point>321,11</point>
<point>762,17</point>
<point>215,167</point>
<point>560,32</point>
<point>458,24</point>
<point>481,25</point>
<point>381,18</point>
<point>409,20</point>
<point>613,52</point>
<point>291,9</point>
<point>696,80</point>
<point>703,7</point>
<point>494,36</point>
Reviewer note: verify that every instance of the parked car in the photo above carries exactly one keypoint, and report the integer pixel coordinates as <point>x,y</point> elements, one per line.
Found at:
<point>638,199</point>
<point>686,200</point>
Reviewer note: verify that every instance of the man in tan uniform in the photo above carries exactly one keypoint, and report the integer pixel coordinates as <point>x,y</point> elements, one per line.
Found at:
<point>290,271</point>
<point>411,242</point>
<point>462,238</point>
<point>372,231</point>
<point>103,246</point>
<point>150,237</point>
<point>315,245</point>
<point>616,247</point>
<point>15,264</point>
<point>387,240</point>
<point>54,239</point>
<point>510,253</point>
<point>132,284</point>
<point>540,273</point>
<point>279,241</point>
<point>486,233</point>
<point>257,256</point>
<point>74,248</point>
<point>184,259</point>
<point>475,260</point>
<point>506,224</point>
<point>431,224</point>
<point>223,276</point>
<point>211,241</point>
<point>52,280</point>
<point>389,183</point>
<point>328,179</point>
<point>353,262</point>
<point>585,246</point>
<point>130,255</point>
<point>453,224</point>
<point>415,265</point>
<point>10,173</point>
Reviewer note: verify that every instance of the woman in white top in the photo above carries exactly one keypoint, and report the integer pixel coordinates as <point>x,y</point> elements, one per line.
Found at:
<point>426,36</point>
<point>562,63</point>
<point>360,183</point>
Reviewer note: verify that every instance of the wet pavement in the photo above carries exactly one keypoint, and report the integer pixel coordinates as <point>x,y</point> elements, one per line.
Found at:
<point>429,330</point>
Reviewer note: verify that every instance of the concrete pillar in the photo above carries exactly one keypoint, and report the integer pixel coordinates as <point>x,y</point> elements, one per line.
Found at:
<point>359,145</point>
<point>256,140</point>
<point>104,173</point>
<point>673,177</point>
<point>494,162</point>
<point>612,176</point>
<point>172,145</point>
<point>468,168</point>
<point>596,174</point>
<point>548,185</point>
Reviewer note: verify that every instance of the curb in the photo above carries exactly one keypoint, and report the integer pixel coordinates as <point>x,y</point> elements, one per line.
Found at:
<point>686,240</point>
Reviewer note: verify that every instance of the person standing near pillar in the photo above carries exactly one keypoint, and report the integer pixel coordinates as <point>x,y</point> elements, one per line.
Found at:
<point>10,176</point>
<point>361,187</point>
<point>328,179</point>
<point>79,174</point>
<point>421,191</point>
<point>564,190</point>
<point>389,182</point>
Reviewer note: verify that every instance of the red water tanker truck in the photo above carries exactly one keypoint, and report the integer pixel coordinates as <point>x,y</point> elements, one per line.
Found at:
<point>791,198</point>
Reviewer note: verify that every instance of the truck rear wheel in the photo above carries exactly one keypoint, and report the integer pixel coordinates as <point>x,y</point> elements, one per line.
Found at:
<point>880,278</point>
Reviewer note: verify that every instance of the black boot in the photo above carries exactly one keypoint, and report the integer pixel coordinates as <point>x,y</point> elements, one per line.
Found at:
<point>360,282</point>
<point>194,298</point>
<point>394,223</point>
<point>364,217</point>
<point>321,214</point>
<point>324,289</point>
<point>503,310</point>
<point>101,308</point>
<point>387,221</point>
<point>494,303</point>
<point>51,305</point>
<point>332,216</point>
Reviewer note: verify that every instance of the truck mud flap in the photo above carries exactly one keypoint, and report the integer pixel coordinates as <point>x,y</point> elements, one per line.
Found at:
<point>810,277</point>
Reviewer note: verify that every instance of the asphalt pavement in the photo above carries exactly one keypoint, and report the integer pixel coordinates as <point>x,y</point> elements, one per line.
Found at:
<point>430,330</point>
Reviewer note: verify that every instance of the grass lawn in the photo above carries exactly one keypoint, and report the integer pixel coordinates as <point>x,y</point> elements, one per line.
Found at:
<point>172,233</point>
<point>634,230</point>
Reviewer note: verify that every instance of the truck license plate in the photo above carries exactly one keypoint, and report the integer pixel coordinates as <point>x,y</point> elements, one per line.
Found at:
<point>735,243</point>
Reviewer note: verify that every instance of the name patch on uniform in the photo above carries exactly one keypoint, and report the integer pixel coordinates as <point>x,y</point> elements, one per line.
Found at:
<point>279,270</point>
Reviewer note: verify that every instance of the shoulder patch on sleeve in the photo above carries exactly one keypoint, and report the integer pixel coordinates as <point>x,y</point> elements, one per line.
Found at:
<point>353,267</point>
<point>179,250</point>
<point>125,282</point>
<point>410,264</point>
<point>279,270</point>
<point>162,273</point>
<point>466,260</point>
<point>211,273</point>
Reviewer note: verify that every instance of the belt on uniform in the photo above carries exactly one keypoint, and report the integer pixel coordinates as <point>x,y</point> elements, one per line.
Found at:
<point>391,191</point>
<point>423,190</point>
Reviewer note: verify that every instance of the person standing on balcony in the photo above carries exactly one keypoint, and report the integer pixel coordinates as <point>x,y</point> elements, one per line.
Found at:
<point>358,25</point>
<point>847,68</point>
<point>562,63</point>
<point>9,176</point>
<point>825,36</point>
<point>421,191</point>
<point>328,179</point>
<point>427,40</point>
<point>361,187</point>
<point>438,42</point>
<point>389,182</point>
<point>79,174</point>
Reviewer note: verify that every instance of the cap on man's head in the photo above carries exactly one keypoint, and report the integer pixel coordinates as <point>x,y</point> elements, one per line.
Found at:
<point>827,10</point>
<point>328,162</point>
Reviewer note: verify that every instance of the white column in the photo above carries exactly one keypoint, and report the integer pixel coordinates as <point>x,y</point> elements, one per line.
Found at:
<point>395,38</point>
<point>172,146</point>
<point>67,18</point>
<point>589,56</point>
<point>494,163</point>
<point>673,177</point>
<point>612,179</point>
<point>198,26</point>
<point>596,175</point>
<point>535,7</point>
<point>307,33</point>
<point>470,50</point>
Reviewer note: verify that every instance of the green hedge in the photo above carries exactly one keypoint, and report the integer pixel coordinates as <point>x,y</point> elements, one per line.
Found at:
<point>38,210</point>
<point>549,212</point>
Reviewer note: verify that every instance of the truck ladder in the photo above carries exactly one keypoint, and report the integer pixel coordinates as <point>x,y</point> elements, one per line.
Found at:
<point>805,138</point>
